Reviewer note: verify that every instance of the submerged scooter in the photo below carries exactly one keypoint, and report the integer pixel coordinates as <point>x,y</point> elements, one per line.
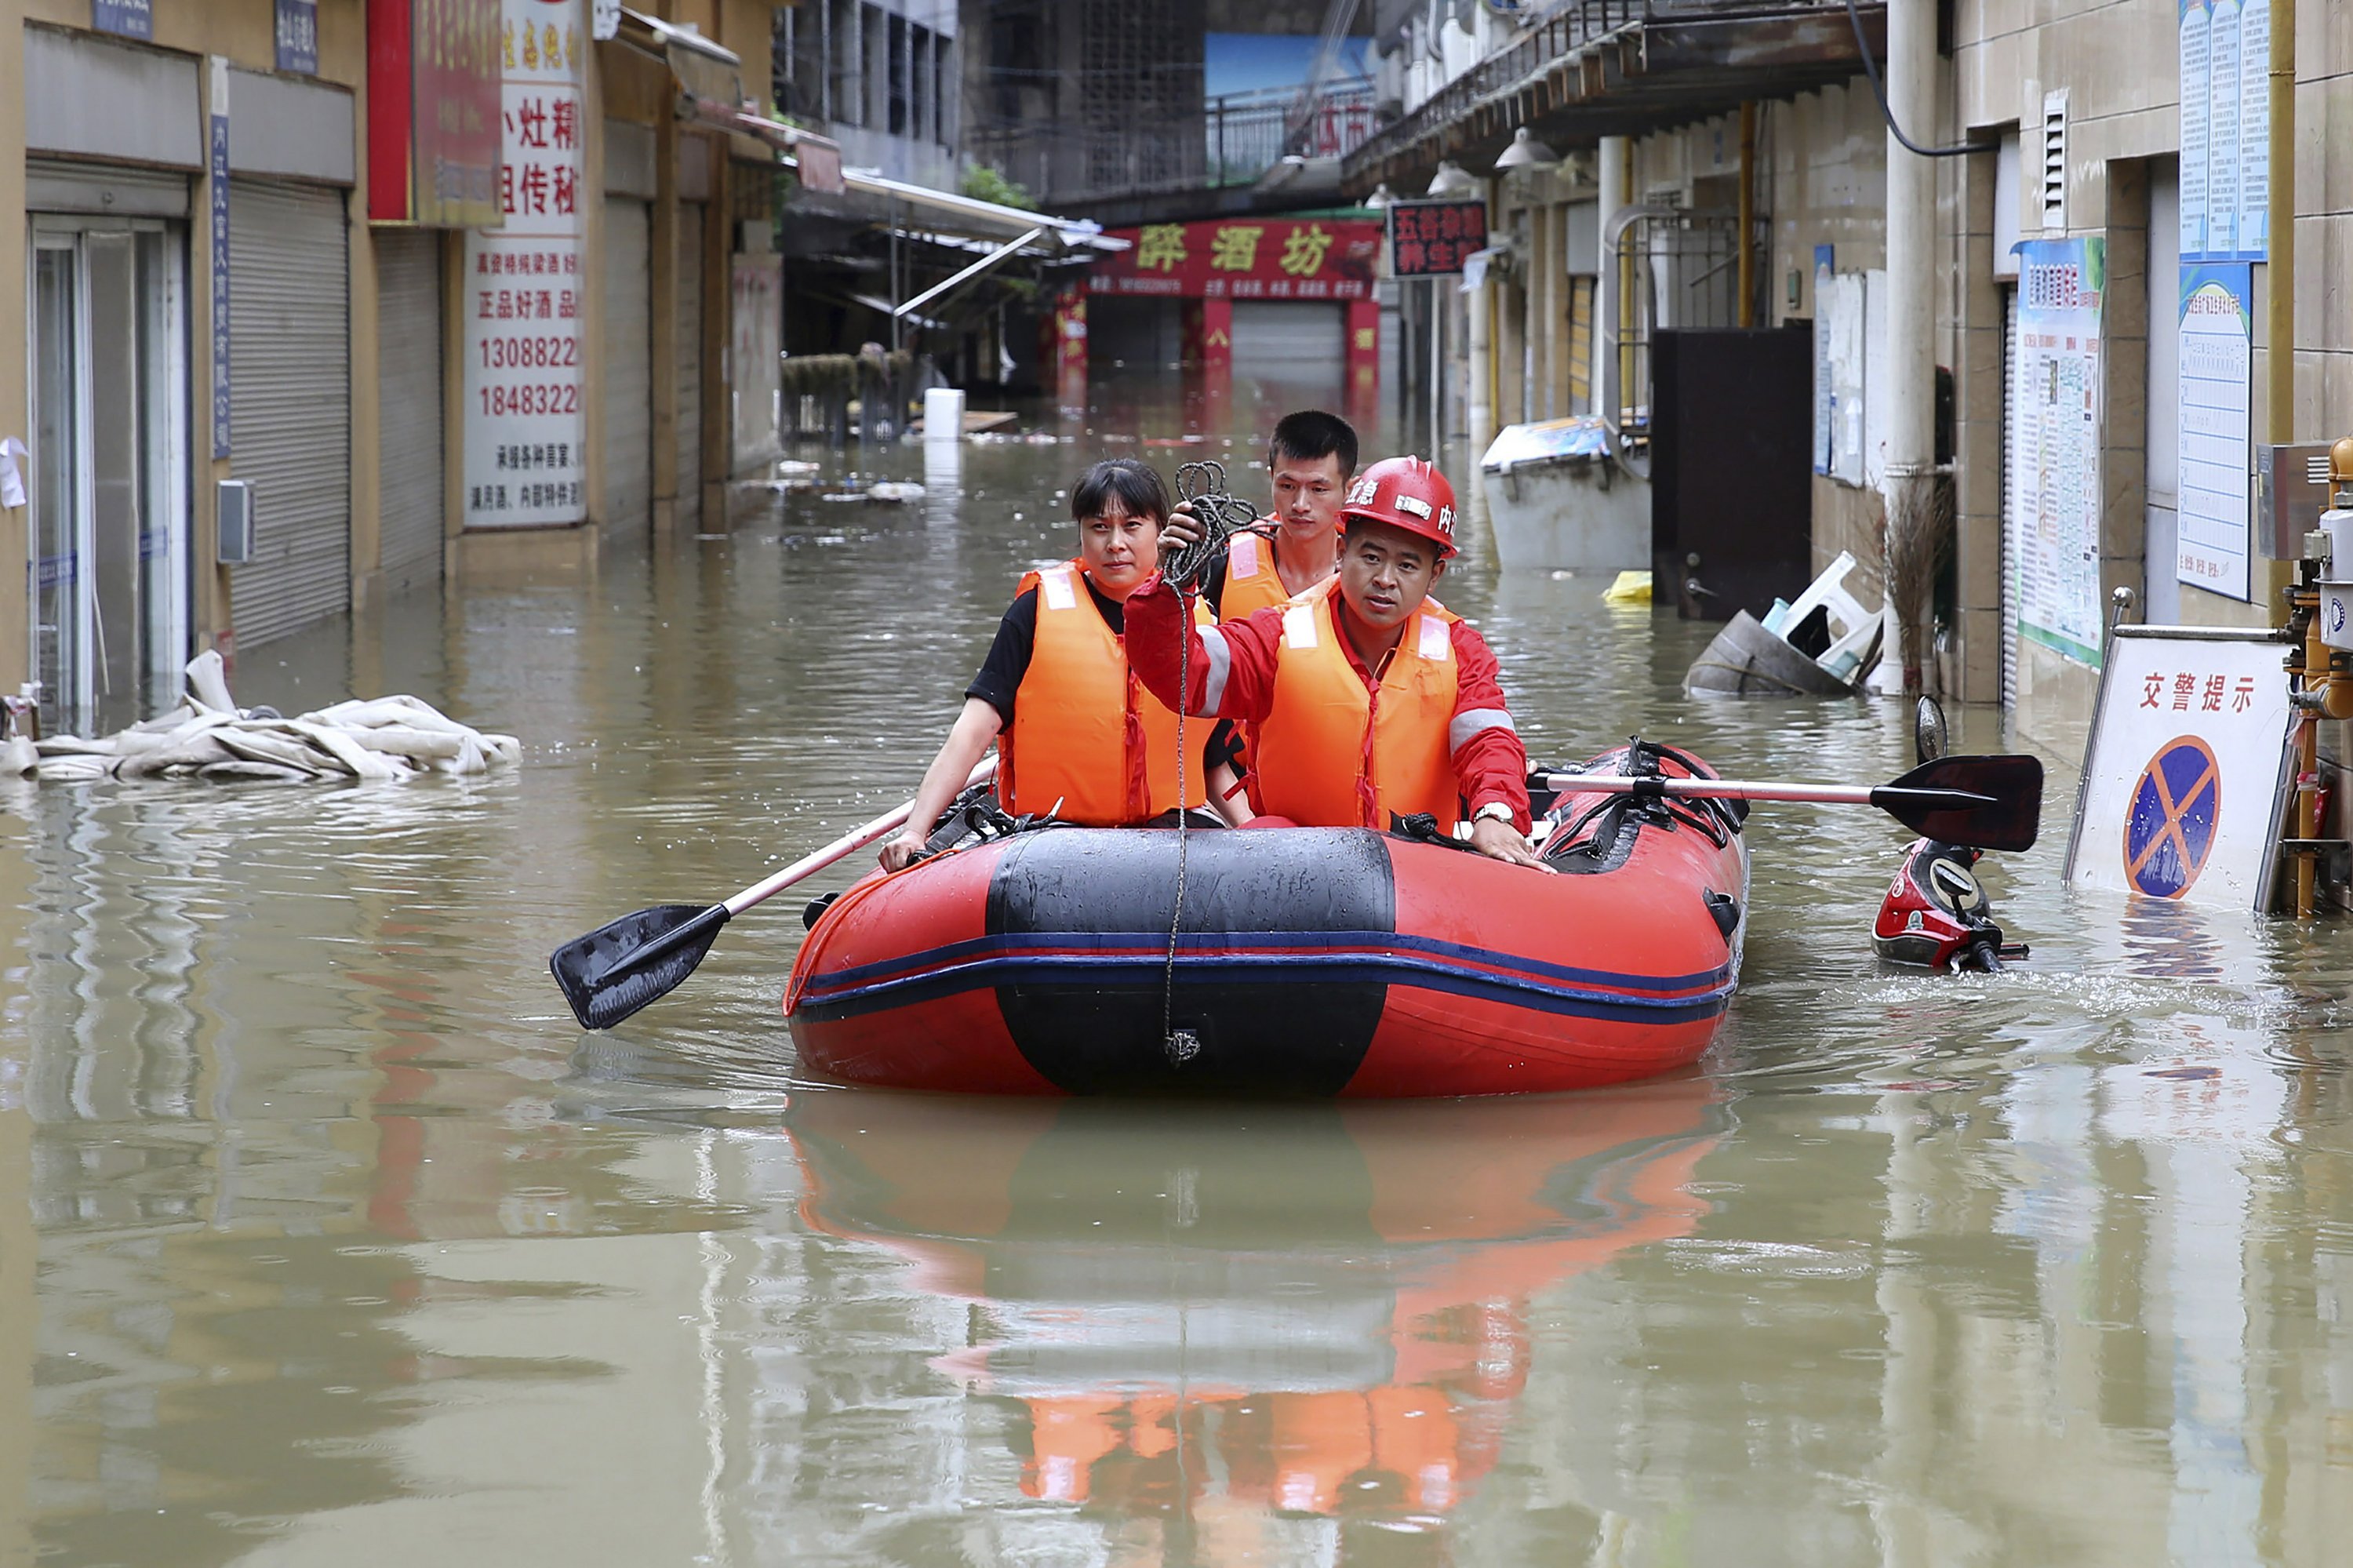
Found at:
<point>1936,913</point>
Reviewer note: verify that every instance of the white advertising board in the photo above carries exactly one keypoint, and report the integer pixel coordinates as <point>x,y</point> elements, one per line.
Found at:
<point>526,466</point>
<point>2214,318</point>
<point>2181,775</point>
<point>2054,433</point>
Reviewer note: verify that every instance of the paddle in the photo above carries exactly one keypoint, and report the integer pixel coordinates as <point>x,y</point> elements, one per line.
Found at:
<point>1987,803</point>
<point>616,970</point>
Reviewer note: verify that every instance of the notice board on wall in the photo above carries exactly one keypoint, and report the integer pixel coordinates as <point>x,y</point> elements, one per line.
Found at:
<point>2182,788</point>
<point>2214,315</point>
<point>2053,432</point>
<point>2226,125</point>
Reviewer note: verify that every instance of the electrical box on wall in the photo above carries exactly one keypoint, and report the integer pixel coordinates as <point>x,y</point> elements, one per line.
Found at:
<point>235,516</point>
<point>2291,492</point>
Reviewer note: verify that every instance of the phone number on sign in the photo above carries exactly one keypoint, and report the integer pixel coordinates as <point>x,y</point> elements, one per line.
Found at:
<point>530,352</point>
<point>541,399</point>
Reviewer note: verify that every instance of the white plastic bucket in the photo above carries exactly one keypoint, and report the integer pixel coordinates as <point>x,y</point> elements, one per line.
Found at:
<point>944,414</point>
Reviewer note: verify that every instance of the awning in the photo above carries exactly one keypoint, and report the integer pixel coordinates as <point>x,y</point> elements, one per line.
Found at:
<point>983,220</point>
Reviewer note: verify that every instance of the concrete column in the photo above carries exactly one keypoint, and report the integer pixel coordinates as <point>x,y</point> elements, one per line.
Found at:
<point>1480,403</point>
<point>16,416</point>
<point>1613,177</point>
<point>1911,366</point>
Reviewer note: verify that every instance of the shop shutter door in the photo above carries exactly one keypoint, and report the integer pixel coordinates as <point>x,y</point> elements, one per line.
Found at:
<point>408,404</point>
<point>689,363</point>
<point>629,360</point>
<point>289,404</point>
<point>2013,398</point>
<point>1298,344</point>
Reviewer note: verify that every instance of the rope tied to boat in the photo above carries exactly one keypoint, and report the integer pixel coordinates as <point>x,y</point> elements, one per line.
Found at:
<point>1221,516</point>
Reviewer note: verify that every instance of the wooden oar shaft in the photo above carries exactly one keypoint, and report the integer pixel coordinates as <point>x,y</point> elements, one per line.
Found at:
<point>847,844</point>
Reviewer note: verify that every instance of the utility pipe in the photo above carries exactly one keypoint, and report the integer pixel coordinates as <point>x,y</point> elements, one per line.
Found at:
<point>1911,324</point>
<point>2279,404</point>
<point>1747,238</point>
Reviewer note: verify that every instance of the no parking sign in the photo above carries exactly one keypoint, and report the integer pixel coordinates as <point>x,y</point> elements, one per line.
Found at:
<point>2181,796</point>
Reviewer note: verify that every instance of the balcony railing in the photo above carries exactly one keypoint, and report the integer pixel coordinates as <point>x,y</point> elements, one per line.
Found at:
<point>1241,136</point>
<point>1249,133</point>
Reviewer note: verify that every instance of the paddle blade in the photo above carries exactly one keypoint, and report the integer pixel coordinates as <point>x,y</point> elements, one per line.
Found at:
<point>1986,802</point>
<point>616,970</point>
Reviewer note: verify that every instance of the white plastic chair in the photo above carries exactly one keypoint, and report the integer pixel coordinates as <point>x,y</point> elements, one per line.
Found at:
<point>1858,628</point>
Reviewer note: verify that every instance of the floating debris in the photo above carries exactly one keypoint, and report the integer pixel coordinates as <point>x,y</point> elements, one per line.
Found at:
<point>207,735</point>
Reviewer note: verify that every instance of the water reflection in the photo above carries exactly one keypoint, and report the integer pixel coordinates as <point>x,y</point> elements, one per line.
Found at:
<point>332,1240</point>
<point>1218,1329</point>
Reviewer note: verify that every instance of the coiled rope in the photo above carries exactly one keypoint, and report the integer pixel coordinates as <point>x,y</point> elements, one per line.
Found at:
<point>1220,517</point>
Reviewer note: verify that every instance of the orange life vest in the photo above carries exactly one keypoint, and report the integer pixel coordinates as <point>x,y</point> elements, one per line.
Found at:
<point>1252,584</point>
<point>1332,753</point>
<point>1086,732</point>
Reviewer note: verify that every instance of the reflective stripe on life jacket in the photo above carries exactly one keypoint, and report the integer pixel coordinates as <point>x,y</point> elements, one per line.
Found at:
<point>1252,582</point>
<point>1333,754</point>
<point>1086,732</point>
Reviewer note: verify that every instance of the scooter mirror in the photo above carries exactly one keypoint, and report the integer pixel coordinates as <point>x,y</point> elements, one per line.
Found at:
<point>1928,730</point>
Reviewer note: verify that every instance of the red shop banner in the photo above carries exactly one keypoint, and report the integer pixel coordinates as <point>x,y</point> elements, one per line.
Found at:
<point>1430,238</point>
<point>433,112</point>
<point>1244,258</point>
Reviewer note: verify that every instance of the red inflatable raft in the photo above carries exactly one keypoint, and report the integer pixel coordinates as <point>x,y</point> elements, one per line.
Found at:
<point>1311,961</point>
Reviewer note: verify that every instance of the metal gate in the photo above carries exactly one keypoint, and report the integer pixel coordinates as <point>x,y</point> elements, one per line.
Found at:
<point>629,360</point>
<point>289,404</point>
<point>689,363</point>
<point>2013,399</point>
<point>1302,344</point>
<point>409,405</point>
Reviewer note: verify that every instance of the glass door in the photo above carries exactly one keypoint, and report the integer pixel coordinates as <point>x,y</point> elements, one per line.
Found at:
<point>109,541</point>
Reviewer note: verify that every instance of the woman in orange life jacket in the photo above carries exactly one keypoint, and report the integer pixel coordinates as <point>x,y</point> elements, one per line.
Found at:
<point>1310,459</point>
<point>1080,737</point>
<point>1364,701</point>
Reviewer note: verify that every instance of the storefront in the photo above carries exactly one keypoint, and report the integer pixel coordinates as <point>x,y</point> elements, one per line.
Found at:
<point>1284,302</point>
<point>112,146</point>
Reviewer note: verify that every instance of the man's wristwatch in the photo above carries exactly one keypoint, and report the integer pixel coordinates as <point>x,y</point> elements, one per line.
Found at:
<point>1496,809</point>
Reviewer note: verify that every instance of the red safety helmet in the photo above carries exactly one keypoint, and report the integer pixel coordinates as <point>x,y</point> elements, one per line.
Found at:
<point>1405,493</point>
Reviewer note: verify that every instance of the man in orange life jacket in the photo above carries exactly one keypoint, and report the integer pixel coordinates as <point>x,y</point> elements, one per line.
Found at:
<point>1362,700</point>
<point>1078,736</point>
<point>1310,459</point>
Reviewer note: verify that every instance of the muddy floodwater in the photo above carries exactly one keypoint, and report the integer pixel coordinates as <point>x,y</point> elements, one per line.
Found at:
<point>327,1237</point>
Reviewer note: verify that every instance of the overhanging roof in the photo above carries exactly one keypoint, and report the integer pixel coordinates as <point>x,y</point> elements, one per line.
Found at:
<point>1588,69</point>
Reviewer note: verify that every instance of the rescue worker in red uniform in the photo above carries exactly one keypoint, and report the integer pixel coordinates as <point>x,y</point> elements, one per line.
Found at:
<point>1310,459</point>
<point>1362,700</point>
<point>1078,735</point>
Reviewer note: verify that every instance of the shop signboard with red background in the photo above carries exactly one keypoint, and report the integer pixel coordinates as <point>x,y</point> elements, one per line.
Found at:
<point>522,303</point>
<point>433,110</point>
<point>1430,238</point>
<point>1244,258</point>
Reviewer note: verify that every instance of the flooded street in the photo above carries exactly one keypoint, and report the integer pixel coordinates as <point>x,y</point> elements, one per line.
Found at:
<point>328,1238</point>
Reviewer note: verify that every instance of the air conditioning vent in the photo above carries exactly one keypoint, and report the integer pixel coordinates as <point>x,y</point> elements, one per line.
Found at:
<point>2054,161</point>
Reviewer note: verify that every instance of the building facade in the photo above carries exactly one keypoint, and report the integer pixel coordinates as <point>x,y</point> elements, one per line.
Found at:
<point>413,286</point>
<point>2063,145</point>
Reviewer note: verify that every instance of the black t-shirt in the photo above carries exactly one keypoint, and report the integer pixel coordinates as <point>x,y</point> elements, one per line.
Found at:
<point>1017,639</point>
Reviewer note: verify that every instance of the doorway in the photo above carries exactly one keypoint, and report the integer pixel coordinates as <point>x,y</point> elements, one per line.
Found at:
<point>110,534</point>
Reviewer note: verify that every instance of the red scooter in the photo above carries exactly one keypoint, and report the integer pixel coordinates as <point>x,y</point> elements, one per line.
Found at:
<point>1936,913</point>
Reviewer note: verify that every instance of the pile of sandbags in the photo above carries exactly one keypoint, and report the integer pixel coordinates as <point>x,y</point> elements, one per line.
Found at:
<point>209,737</point>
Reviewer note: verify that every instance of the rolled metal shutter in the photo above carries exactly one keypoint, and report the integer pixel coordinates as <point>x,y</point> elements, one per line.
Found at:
<point>409,405</point>
<point>2013,399</point>
<point>290,404</point>
<point>689,363</point>
<point>628,362</point>
<point>1298,344</point>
